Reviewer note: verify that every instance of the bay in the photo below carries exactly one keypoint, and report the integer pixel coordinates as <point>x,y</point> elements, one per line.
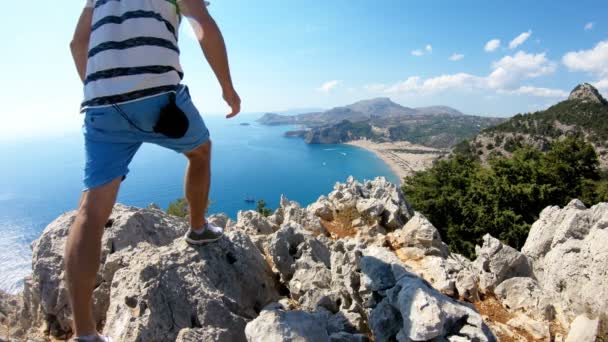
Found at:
<point>41,179</point>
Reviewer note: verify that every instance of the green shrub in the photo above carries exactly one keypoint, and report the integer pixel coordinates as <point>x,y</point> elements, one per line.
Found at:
<point>262,209</point>
<point>178,208</point>
<point>465,200</point>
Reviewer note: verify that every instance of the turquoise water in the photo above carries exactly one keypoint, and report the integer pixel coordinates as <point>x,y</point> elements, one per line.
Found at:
<point>39,180</point>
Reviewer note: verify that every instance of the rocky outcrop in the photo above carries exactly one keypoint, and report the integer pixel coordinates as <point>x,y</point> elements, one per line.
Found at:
<point>357,264</point>
<point>214,289</point>
<point>585,92</point>
<point>569,252</point>
<point>498,262</point>
<point>45,293</point>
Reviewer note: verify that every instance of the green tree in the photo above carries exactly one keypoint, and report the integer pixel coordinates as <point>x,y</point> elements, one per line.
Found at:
<point>466,200</point>
<point>262,209</point>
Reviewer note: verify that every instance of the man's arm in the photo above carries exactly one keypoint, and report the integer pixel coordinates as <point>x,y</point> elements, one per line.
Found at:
<point>214,49</point>
<point>80,42</point>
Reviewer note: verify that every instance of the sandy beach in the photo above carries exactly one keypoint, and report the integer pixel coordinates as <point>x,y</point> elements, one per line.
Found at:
<point>403,157</point>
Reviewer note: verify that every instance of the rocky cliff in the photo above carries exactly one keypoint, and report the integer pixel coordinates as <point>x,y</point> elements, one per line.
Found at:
<point>356,265</point>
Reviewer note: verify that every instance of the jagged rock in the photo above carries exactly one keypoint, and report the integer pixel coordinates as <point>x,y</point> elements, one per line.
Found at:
<point>217,287</point>
<point>303,262</point>
<point>569,255</point>
<point>441,273</point>
<point>583,329</point>
<point>538,330</point>
<point>45,294</point>
<point>497,262</point>
<point>294,326</point>
<point>370,208</point>
<point>412,309</point>
<point>466,280</point>
<point>322,208</point>
<point>283,248</point>
<point>253,223</point>
<point>220,220</point>
<point>418,238</point>
<point>524,294</point>
<point>374,199</point>
<point>9,316</point>
<point>291,212</point>
<point>586,93</point>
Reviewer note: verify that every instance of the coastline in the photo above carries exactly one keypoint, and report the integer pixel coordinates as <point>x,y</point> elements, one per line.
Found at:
<point>403,157</point>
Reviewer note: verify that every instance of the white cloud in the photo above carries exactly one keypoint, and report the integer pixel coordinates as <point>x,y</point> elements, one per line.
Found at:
<point>506,77</point>
<point>510,70</point>
<point>329,86</point>
<point>416,84</point>
<point>492,45</point>
<point>421,52</point>
<point>594,61</point>
<point>602,84</point>
<point>456,57</point>
<point>417,53</point>
<point>540,92</point>
<point>589,26</point>
<point>517,41</point>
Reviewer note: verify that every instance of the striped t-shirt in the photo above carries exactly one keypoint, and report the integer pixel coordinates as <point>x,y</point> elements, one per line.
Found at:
<point>133,51</point>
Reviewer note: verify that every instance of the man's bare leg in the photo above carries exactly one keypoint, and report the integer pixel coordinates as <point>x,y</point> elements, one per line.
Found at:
<point>82,253</point>
<point>197,183</point>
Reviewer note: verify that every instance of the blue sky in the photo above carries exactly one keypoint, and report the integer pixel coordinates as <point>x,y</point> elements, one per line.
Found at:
<point>303,54</point>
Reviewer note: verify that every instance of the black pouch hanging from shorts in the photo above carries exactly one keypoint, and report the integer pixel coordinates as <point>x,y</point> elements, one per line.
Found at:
<point>172,121</point>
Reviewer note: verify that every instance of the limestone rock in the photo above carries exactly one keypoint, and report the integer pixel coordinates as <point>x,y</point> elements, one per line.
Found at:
<point>253,223</point>
<point>220,220</point>
<point>45,293</point>
<point>538,330</point>
<point>523,294</point>
<point>410,308</point>
<point>497,262</point>
<point>418,238</point>
<point>322,208</point>
<point>375,199</point>
<point>569,254</point>
<point>583,329</point>
<point>291,212</point>
<point>167,289</point>
<point>292,326</point>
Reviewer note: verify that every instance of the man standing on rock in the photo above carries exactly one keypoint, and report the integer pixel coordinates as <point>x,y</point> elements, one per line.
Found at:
<point>127,56</point>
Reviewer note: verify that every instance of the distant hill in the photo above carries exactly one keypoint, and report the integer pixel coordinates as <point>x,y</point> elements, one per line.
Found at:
<point>584,113</point>
<point>378,108</point>
<point>381,119</point>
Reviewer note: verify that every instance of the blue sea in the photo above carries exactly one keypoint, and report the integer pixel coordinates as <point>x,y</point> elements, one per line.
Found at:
<point>40,179</point>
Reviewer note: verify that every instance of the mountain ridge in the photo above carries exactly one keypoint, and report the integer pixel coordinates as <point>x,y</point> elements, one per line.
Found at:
<point>379,107</point>
<point>382,120</point>
<point>584,113</point>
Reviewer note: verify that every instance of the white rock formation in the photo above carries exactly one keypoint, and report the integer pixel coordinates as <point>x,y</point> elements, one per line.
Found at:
<point>569,252</point>
<point>283,278</point>
<point>45,293</point>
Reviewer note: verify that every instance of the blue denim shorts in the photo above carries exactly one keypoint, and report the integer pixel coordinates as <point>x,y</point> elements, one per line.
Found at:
<point>111,141</point>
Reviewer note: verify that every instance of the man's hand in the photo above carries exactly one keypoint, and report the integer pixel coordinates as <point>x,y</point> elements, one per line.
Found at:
<point>234,101</point>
